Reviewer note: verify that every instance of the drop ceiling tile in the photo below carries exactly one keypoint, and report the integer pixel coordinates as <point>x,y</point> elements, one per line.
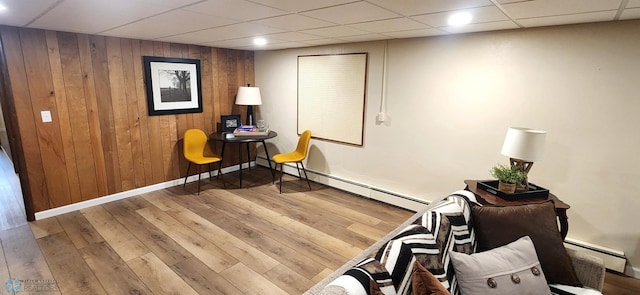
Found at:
<point>247,44</point>
<point>165,25</point>
<point>364,38</point>
<point>230,32</point>
<point>335,32</point>
<point>630,13</point>
<point>351,13</point>
<point>540,8</point>
<point>294,22</point>
<point>236,9</point>
<point>491,26</point>
<point>298,5</point>
<point>568,19</point>
<point>323,41</point>
<point>390,25</point>
<point>20,12</point>
<point>415,7</point>
<point>292,36</point>
<point>95,16</point>
<point>480,15</point>
<point>416,33</point>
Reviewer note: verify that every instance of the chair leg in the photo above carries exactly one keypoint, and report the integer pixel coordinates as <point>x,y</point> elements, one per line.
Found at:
<point>186,175</point>
<point>281,172</point>
<point>209,166</point>
<point>305,175</point>
<point>273,173</point>
<point>198,180</point>
<point>224,185</point>
<point>298,168</point>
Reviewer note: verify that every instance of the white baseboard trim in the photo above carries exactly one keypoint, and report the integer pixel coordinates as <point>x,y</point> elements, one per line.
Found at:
<point>361,189</point>
<point>632,271</point>
<point>131,193</point>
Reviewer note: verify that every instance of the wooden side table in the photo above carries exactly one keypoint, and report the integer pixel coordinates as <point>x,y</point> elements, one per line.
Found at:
<point>487,198</point>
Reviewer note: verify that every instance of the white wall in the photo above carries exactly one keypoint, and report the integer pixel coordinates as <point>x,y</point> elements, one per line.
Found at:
<point>451,99</point>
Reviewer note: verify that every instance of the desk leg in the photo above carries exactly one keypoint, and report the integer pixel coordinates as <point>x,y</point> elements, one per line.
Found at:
<point>248,157</point>
<point>564,222</point>
<point>273,174</point>
<point>240,165</point>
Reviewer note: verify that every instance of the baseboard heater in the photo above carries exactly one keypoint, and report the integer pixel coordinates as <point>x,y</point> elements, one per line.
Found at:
<point>613,259</point>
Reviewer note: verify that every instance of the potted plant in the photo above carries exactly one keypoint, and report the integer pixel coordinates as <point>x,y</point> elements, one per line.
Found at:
<point>508,177</point>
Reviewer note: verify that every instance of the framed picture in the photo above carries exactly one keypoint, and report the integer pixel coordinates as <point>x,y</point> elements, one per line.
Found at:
<point>230,122</point>
<point>173,85</point>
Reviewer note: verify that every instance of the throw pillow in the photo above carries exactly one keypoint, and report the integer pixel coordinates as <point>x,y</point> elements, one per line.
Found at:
<point>424,283</point>
<point>497,226</point>
<point>506,270</point>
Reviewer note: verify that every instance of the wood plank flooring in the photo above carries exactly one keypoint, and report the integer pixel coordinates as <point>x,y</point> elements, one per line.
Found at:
<point>224,241</point>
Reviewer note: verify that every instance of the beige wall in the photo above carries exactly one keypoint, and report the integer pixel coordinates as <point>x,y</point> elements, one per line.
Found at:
<point>451,99</point>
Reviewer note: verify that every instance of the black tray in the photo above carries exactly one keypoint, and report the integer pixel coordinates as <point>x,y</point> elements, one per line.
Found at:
<point>534,192</point>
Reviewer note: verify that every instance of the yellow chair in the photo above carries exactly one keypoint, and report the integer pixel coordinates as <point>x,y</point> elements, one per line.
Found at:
<point>296,156</point>
<point>197,151</point>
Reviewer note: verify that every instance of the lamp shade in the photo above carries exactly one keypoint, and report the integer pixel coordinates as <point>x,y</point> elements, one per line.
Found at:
<point>248,96</point>
<point>524,143</point>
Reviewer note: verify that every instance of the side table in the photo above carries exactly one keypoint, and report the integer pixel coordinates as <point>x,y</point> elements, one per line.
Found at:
<point>487,198</point>
<point>222,136</point>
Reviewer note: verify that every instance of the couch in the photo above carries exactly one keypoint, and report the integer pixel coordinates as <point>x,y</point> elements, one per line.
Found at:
<point>432,245</point>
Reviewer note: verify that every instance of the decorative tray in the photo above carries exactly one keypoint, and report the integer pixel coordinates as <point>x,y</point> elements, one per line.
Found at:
<point>534,192</point>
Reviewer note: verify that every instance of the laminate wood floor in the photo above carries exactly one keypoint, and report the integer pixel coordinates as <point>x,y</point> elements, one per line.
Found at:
<point>224,241</point>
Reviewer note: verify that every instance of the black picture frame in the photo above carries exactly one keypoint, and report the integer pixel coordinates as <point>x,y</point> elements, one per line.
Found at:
<point>173,85</point>
<point>229,123</point>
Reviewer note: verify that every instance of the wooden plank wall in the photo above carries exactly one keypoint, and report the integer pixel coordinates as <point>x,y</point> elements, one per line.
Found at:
<point>101,140</point>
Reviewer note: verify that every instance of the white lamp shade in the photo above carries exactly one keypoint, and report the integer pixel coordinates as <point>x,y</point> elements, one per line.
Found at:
<point>524,144</point>
<point>248,96</point>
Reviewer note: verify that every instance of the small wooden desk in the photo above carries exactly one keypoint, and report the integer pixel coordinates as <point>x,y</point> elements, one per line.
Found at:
<point>222,136</point>
<point>487,198</point>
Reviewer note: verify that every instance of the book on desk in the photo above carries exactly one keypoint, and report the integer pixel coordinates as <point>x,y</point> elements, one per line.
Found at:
<point>250,130</point>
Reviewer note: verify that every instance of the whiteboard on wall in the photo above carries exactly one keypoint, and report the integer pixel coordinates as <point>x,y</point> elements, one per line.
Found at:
<point>331,96</point>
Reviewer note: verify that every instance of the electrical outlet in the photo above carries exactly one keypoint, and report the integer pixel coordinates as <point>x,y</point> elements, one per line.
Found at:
<point>381,117</point>
<point>46,116</point>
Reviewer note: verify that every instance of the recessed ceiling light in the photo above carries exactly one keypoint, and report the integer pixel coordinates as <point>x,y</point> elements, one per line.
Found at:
<point>260,41</point>
<point>459,19</point>
<point>2,7</point>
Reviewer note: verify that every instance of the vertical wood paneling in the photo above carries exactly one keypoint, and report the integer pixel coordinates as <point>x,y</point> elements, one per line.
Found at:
<point>155,138</point>
<point>143,118</point>
<point>101,140</point>
<point>91,101</point>
<point>120,113</point>
<point>132,112</point>
<point>61,101</point>
<point>26,122</point>
<point>42,95</point>
<point>82,149</point>
<point>105,112</point>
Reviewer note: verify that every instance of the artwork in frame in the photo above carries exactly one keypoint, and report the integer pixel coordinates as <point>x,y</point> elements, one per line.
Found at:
<point>230,122</point>
<point>173,85</point>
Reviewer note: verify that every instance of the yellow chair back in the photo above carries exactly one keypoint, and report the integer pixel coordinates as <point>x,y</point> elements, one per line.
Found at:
<point>195,145</point>
<point>303,143</point>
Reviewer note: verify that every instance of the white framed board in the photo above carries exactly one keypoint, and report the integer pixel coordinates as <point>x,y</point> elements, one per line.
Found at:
<point>331,96</point>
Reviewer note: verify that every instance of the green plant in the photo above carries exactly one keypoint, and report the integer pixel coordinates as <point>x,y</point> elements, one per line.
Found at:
<point>508,174</point>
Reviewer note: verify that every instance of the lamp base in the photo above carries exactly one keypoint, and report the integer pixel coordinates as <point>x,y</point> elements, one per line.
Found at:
<point>249,120</point>
<point>524,166</point>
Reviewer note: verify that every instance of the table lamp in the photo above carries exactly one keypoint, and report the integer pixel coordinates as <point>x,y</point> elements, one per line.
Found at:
<point>249,96</point>
<point>523,146</point>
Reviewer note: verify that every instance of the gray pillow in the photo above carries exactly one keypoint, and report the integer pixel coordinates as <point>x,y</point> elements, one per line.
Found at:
<point>511,269</point>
